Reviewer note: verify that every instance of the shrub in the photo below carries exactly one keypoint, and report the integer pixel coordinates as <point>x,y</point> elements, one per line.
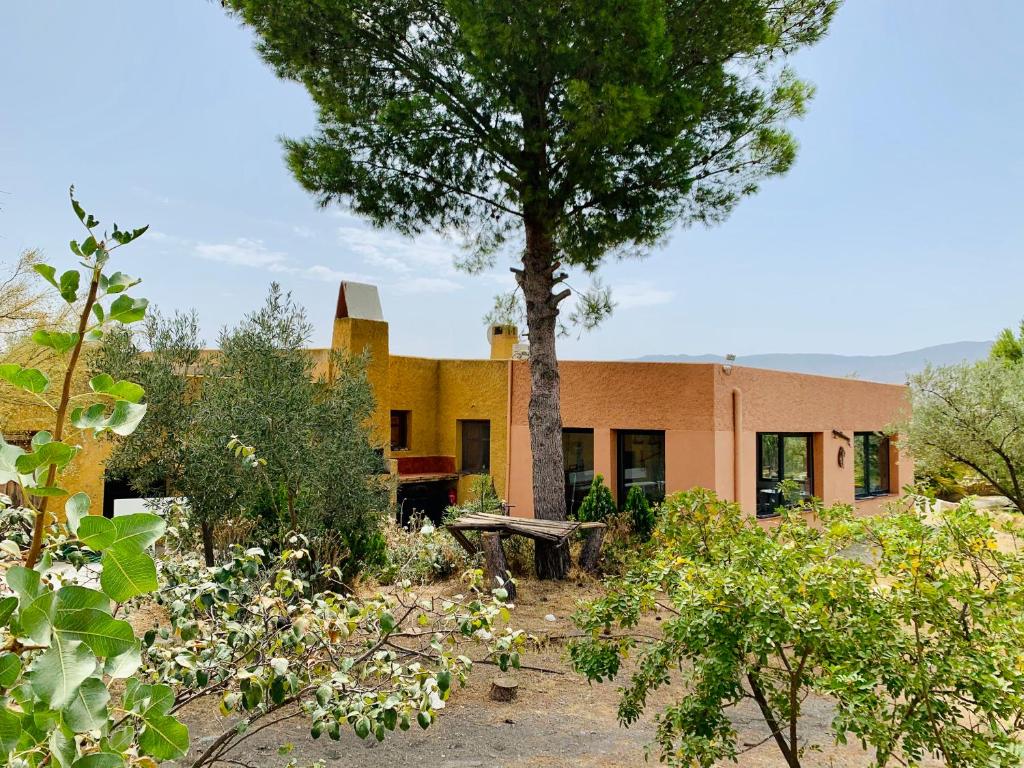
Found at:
<point>420,553</point>
<point>268,645</point>
<point>641,515</point>
<point>918,648</point>
<point>598,503</point>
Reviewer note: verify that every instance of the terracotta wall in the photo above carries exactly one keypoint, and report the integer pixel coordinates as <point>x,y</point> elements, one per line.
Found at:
<point>607,397</point>
<point>693,405</point>
<point>792,402</point>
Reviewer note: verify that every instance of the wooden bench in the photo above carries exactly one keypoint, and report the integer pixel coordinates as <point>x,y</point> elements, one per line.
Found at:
<point>494,529</point>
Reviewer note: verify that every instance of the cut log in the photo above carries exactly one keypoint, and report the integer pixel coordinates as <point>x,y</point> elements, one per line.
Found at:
<point>496,573</point>
<point>593,538</point>
<point>503,689</point>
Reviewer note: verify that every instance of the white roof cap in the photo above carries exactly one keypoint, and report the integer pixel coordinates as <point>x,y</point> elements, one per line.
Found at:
<point>359,301</point>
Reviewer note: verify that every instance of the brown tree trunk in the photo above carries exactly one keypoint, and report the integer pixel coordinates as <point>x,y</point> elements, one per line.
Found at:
<point>496,573</point>
<point>593,538</point>
<point>538,279</point>
<point>207,532</point>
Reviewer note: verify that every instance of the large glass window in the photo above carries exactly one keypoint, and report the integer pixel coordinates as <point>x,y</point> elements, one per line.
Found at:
<point>578,455</point>
<point>870,464</point>
<point>783,456</point>
<point>642,463</point>
<point>476,446</point>
<point>399,430</point>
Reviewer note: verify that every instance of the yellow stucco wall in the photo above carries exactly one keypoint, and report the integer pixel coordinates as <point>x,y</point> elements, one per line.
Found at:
<point>474,389</point>
<point>414,387</point>
<point>354,336</point>
<point>440,393</point>
<point>84,473</point>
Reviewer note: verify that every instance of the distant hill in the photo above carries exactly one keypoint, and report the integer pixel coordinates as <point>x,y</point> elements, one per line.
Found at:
<point>887,368</point>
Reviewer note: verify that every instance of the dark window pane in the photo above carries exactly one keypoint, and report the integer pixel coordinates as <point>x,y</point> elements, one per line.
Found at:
<point>769,456</point>
<point>642,463</point>
<point>871,464</point>
<point>578,454</point>
<point>399,430</point>
<point>476,447</point>
<point>878,463</point>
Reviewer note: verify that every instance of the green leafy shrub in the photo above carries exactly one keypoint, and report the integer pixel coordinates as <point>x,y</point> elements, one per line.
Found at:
<point>641,515</point>
<point>912,625</point>
<point>62,643</point>
<point>420,553</point>
<point>256,635</point>
<point>598,504</point>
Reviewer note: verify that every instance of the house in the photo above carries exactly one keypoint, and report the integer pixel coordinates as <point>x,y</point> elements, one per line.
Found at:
<point>663,427</point>
<point>446,424</point>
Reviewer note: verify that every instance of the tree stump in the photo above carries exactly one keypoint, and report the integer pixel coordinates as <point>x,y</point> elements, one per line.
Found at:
<point>496,573</point>
<point>593,538</point>
<point>503,689</point>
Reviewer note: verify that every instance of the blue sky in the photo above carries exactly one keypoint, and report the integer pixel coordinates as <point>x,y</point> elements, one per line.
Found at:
<point>899,227</point>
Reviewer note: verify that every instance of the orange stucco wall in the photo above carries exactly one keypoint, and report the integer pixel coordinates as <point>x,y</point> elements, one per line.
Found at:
<point>694,405</point>
<point>792,402</point>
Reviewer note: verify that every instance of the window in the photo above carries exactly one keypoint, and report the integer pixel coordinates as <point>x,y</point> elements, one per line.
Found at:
<point>476,447</point>
<point>578,457</point>
<point>400,430</point>
<point>642,463</point>
<point>783,456</point>
<point>870,464</point>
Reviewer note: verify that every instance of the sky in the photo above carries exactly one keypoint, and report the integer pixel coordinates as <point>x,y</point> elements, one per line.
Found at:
<point>899,226</point>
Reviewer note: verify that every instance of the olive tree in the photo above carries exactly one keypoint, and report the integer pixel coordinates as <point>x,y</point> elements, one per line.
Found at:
<point>971,415</point>
<point>319,474</point>
<point>178,450</point>
<point>910,623</point>
<point>568,132</point>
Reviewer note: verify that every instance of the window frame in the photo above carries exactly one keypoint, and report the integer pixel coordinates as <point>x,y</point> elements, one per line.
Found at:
<point>780,468</point>
<point>572,504</point>
<point>485,466</point>
<point>620,475</point>
<point>406,430</point>
<point>883,490</point>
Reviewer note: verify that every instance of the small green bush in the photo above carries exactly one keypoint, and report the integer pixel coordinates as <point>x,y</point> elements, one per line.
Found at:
<point>641,516</point>
<point>420,553</point>
<point>598,503</point>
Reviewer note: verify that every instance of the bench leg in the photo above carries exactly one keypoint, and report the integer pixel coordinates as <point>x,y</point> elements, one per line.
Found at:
<point>496,573</point>
<point>590,555</point>
<point>460,537</point>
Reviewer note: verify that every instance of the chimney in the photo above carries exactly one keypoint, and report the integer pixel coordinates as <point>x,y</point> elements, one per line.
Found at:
<point>503,337</point>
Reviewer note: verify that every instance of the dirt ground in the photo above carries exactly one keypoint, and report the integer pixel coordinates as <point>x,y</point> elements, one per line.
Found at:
<point>557,719</point>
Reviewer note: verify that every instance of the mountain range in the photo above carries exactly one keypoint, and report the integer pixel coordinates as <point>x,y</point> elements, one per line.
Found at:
<point>892,369</point>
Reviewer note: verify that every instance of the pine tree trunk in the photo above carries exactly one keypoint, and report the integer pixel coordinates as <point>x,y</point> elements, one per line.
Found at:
<point>538,280</point>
